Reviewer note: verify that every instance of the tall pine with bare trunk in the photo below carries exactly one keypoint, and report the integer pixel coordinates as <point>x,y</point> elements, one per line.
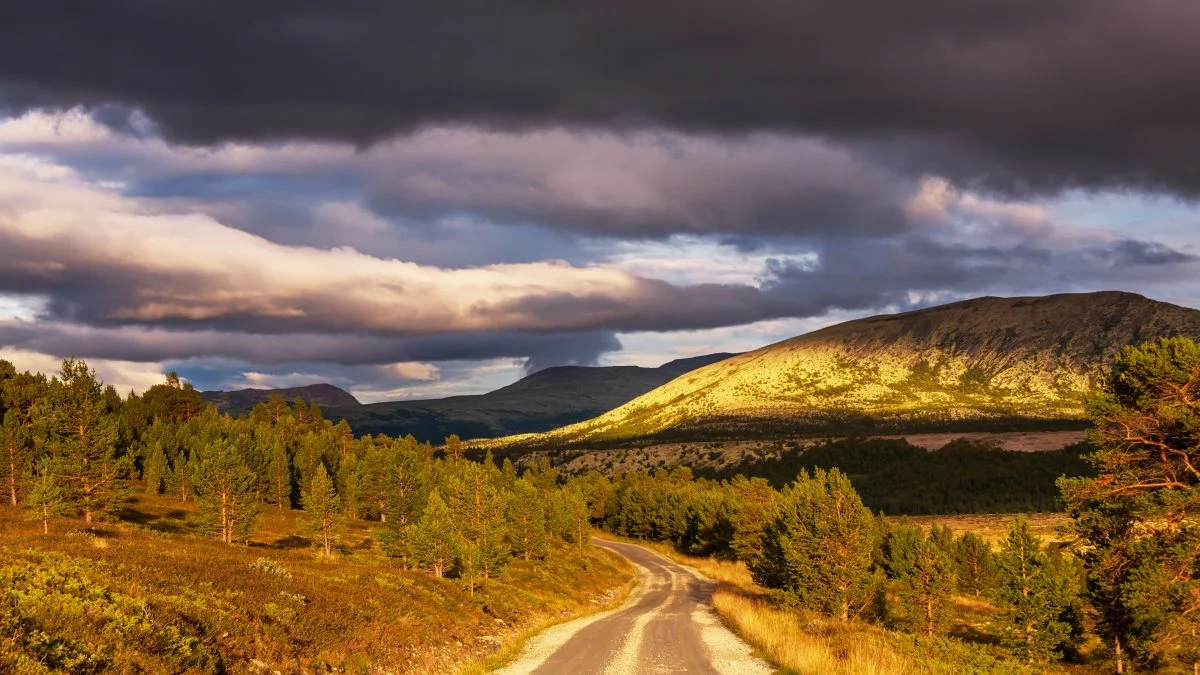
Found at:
<point>15,454</point>
<point>1132,516</point>
<point>225,491</point>
<point>44,497</point>
<point>80,435</point>
<point>1037,593</point>
<point>324,514</point>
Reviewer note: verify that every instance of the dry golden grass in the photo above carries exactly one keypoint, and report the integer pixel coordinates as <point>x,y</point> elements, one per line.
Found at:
<point>993,527</point>
<point>806,645</point>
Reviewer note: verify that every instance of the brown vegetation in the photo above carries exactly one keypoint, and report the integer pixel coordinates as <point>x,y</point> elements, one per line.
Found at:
<point>147,594</point>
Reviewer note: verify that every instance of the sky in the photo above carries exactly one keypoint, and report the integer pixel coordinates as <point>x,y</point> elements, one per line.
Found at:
<point>414,200</point>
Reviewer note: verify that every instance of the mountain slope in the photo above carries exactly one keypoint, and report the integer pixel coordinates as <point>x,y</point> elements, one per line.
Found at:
<point>243,400</point>
<point>544,400</point>
<point>977,362</point>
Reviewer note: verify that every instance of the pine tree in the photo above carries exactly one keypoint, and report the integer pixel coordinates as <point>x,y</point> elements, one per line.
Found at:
<point>433,543</point>
<point>81,437</point>
<point>752,506</point>
<point>1037,596</point>
<point>527,522</point>
<point>401,492</point>
<point>508,475</point>
<point>350,482</point>
<point>182,478</point>
<point>16,453</point>
<point>1164,598</point>
<point>21,395</point>
<point>323,511</point>
<point>543,476</point>
<point>901,546</point>
<point>479,513</point>
<point>819,547</point>
<point>454,448</point>
<point>225,490</point>
<point>279,475</point>
<point>578,517</point>
<point>1146,428</point>
<point>44,497</point>
<point>1110,554</point>
<point>558,516</point>
<point>154,472</point>
<point>976,564</point>
<point>926,593</point>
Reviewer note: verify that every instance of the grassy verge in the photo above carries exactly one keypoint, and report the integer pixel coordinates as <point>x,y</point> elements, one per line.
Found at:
<point>148,594</point>
<point>803,642</point>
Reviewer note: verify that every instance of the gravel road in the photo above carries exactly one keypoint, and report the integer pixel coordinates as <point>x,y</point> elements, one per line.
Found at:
<point>666,626</point>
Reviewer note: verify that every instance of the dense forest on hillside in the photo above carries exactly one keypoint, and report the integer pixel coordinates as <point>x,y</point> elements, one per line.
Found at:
<point>896,477</point>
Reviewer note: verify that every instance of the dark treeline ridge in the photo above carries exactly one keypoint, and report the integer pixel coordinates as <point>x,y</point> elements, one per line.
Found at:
<point>1129,574</point>
<point>814,425</point>
<point>72,448</point>
<point>898,478</point>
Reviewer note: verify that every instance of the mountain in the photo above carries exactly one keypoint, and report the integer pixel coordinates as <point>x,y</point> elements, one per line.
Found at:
<point>544,400</point>
<point>243,400</point>
<point>978,364</point>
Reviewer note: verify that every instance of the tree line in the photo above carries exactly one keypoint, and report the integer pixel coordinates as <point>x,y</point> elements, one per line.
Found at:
<point>897,477</point>
<point>74,447</point>
<point>1128,573</point>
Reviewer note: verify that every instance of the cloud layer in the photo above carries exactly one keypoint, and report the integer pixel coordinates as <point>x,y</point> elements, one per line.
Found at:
<point>1025,94</point>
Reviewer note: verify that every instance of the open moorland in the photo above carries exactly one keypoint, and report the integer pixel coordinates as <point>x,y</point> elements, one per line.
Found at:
<point>150,593</point>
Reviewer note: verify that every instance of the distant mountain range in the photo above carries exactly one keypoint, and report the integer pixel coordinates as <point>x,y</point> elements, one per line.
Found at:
<point>983,363</point>
<point>243,400</point>
<point>542,401</point>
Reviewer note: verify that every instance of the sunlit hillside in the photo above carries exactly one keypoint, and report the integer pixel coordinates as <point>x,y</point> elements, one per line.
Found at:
<point>984,362</point>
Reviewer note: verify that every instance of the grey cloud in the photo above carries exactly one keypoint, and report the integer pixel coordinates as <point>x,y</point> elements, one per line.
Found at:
<point>634,185</point>
<point>1025,94</point>
<point>647,184</point>
<point>540,350</point>
<point>891,273</point>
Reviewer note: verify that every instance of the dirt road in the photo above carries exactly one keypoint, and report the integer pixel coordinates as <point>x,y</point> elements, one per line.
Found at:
<point>666,626</point>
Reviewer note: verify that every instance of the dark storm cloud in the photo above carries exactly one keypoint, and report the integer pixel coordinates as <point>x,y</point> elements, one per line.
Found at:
<point>156,345</point>
<point>1020,94</point>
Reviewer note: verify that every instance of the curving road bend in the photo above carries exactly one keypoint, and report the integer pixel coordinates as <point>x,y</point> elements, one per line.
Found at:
<point>666,626</point>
